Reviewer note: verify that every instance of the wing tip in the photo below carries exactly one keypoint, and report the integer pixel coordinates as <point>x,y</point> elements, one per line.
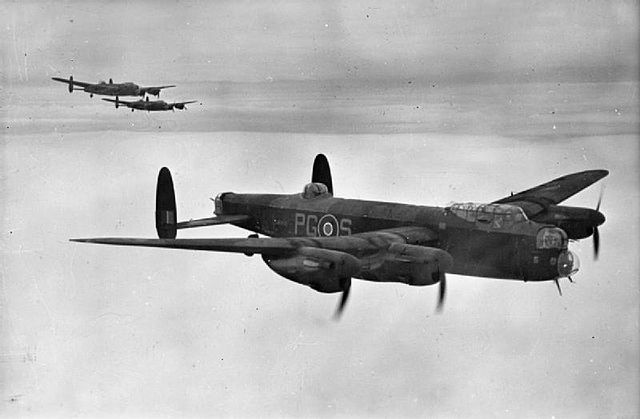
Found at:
<point>82,240</point>
<point>596,173</point>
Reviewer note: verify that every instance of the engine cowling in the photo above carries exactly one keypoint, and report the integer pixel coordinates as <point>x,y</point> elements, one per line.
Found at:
<point>321,269</point>
<point>411,264</point>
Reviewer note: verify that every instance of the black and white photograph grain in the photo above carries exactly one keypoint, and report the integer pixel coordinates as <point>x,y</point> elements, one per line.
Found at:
<point>320,209</point>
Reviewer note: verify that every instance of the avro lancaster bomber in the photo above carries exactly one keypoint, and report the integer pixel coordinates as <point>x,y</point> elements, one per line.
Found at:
<point>323,242</point>
<point>153,105</point>
<point>111,88</point>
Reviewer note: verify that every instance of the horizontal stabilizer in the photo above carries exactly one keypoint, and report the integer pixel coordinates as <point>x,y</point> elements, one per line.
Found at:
<point>203,222</point>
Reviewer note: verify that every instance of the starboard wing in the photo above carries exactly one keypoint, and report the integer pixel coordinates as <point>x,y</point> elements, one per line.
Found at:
<point>154,90</point>
<point>555,191</point>
<point>158,87</point>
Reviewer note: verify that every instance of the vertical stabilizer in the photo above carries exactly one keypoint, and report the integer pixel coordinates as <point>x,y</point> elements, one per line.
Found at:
<point>166,217</point>
<point>321,172</point>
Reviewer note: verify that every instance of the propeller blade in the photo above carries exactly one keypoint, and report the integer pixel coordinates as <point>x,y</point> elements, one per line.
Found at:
<point>558,285</point>
<point>443,292</point>
<point>596,242</point>
<point>596,233</point>
<point>346,286</point>
<point>600,198</point>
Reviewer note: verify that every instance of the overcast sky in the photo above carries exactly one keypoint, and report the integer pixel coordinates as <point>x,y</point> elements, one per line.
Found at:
<point>93,329</point>
<point>308,40</point>
<point>422,103</point>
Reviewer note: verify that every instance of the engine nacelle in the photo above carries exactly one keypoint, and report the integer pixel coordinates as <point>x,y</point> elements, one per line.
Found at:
<point>411,264</point>
<point>179,105</point>
<point>321,269</point>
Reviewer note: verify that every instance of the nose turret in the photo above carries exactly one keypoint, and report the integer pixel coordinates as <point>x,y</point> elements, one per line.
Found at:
<point>568,263</point>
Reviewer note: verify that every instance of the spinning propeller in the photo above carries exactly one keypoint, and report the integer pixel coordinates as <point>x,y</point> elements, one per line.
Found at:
<point>442,292</point>
<point>596,234</point>
<point>346,286</point>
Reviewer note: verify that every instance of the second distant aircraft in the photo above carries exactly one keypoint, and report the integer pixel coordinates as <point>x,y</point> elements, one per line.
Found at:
<point>153,105</point>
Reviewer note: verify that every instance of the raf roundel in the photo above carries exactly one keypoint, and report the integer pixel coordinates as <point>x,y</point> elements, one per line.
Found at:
<point>328,226</point>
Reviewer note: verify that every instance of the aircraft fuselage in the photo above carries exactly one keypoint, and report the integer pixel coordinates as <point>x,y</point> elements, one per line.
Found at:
<point>114,89</point>
<point>155,105</point>
<point>484,248</point>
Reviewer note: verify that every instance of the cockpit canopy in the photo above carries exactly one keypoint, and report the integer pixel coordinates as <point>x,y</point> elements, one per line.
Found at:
<point>314,190</point>
<point>495,214</point>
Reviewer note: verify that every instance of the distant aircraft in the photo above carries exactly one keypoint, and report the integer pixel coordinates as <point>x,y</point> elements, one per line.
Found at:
<point>323,242</point>
<point>146,105</point>
<point>111,88</point>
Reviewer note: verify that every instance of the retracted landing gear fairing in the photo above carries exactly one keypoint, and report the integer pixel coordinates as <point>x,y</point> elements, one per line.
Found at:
<point>324,242</point>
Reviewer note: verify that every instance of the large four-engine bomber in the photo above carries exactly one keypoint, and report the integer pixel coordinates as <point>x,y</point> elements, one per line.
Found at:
<point>323,242</point>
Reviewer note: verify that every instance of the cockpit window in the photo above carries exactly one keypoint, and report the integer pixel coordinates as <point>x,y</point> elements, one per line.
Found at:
<point>495,215</point>
<point>314,190</point>
<point>485,213</point>
<point>551,238</point>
